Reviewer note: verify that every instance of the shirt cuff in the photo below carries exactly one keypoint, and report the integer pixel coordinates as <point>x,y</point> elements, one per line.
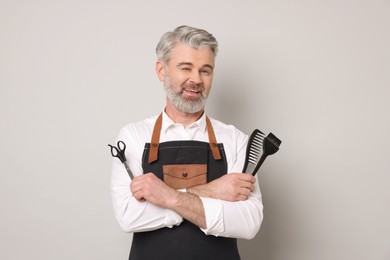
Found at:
<point>214,216</point>
<point>172,218</point>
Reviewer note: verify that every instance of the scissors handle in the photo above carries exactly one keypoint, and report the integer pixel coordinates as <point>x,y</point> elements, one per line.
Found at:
<point>119,153</point>
<point>115,152</point>
<point>121,146</point>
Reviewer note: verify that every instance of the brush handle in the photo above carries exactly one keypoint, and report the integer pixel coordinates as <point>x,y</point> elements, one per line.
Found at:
<point>262,159</point>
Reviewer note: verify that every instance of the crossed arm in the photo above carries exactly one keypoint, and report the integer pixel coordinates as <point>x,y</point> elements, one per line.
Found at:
<point>229,206</point>
<point>230,187</point>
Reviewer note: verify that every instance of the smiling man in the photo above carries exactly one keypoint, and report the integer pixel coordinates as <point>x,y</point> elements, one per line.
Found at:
<point>188,199</point>
<point>192,72</point>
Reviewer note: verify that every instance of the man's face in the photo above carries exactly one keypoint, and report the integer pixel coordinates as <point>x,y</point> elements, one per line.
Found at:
<point>187,77</point>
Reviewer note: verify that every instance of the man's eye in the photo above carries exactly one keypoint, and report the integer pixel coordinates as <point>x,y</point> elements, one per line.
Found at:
<point>186,69</point>
<point>206,72</point>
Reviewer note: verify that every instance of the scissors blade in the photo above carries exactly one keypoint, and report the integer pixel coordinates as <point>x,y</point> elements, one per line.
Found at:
<point>128,171</point>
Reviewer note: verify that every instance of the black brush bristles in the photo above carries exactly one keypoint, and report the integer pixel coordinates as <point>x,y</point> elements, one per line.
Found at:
<point>275,141</point>
<point>253,151</point>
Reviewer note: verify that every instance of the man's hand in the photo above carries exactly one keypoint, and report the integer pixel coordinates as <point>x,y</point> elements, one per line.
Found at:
<point>229,187</point>
<point>150,188</point>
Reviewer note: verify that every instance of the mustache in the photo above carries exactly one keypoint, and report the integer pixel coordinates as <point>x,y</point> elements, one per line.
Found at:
<point>193,87</point>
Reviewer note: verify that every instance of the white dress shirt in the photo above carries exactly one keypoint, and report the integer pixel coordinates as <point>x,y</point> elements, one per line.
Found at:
<point>240,219</point>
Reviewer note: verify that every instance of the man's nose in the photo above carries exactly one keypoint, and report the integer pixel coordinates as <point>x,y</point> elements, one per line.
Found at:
<point>195,77</point>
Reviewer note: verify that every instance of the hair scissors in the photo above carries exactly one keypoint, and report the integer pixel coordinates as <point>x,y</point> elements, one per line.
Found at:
<point>119,152</point>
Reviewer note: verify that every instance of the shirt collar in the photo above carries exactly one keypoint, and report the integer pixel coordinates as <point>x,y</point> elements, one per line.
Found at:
<point>167,122</point>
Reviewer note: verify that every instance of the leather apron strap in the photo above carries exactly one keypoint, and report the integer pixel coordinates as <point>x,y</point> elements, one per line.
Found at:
<point>212,140</point>
<point>154,143</point>
<point>153,155</point>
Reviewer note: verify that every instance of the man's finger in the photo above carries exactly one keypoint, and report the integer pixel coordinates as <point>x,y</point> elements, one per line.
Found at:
<point>247,177</point>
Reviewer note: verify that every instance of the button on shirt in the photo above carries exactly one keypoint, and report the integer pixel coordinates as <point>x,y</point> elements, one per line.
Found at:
<point>241,219</point>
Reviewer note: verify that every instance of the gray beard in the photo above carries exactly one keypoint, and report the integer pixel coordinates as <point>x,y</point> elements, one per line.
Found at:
<point>184,105</point>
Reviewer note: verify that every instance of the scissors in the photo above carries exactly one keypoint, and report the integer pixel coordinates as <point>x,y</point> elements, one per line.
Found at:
<point>119,152</point>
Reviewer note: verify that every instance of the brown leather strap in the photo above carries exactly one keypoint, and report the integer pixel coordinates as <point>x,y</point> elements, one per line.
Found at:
<point>213,140</point>
<point>153,153</point>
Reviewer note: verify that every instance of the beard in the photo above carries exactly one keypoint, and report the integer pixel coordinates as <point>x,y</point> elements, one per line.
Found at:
<point>185,104</point>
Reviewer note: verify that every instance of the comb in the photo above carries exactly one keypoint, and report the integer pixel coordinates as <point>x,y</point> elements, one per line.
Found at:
<point>254,150</point>
<point>258,149</point>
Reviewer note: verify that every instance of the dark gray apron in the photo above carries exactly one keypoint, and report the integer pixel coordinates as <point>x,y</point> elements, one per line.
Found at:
<point>186,241</point>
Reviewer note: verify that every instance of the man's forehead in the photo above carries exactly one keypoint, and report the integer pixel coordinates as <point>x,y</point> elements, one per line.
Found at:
<point>184,54</point>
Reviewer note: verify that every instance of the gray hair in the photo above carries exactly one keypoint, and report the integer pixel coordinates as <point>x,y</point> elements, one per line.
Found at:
<point>193,37</point>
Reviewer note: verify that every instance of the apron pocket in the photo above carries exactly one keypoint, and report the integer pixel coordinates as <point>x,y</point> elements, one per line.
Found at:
<point>182,176</point>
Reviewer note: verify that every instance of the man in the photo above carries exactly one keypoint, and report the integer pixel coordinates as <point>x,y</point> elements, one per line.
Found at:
<point>188,199</point>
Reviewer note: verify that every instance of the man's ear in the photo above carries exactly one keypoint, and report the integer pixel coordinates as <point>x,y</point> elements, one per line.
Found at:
<point>160,70</point>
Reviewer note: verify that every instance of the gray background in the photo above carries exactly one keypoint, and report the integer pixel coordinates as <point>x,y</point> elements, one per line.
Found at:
<point>316,73</point>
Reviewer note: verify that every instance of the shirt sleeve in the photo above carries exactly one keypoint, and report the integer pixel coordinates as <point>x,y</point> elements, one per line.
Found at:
<point>131,214</point>
<point>241,219</point>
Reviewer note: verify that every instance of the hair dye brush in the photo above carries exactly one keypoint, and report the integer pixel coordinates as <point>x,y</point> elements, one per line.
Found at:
<point>259,147</point>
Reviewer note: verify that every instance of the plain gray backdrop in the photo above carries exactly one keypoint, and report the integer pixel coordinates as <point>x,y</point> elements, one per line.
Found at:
<point>315,73</point>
